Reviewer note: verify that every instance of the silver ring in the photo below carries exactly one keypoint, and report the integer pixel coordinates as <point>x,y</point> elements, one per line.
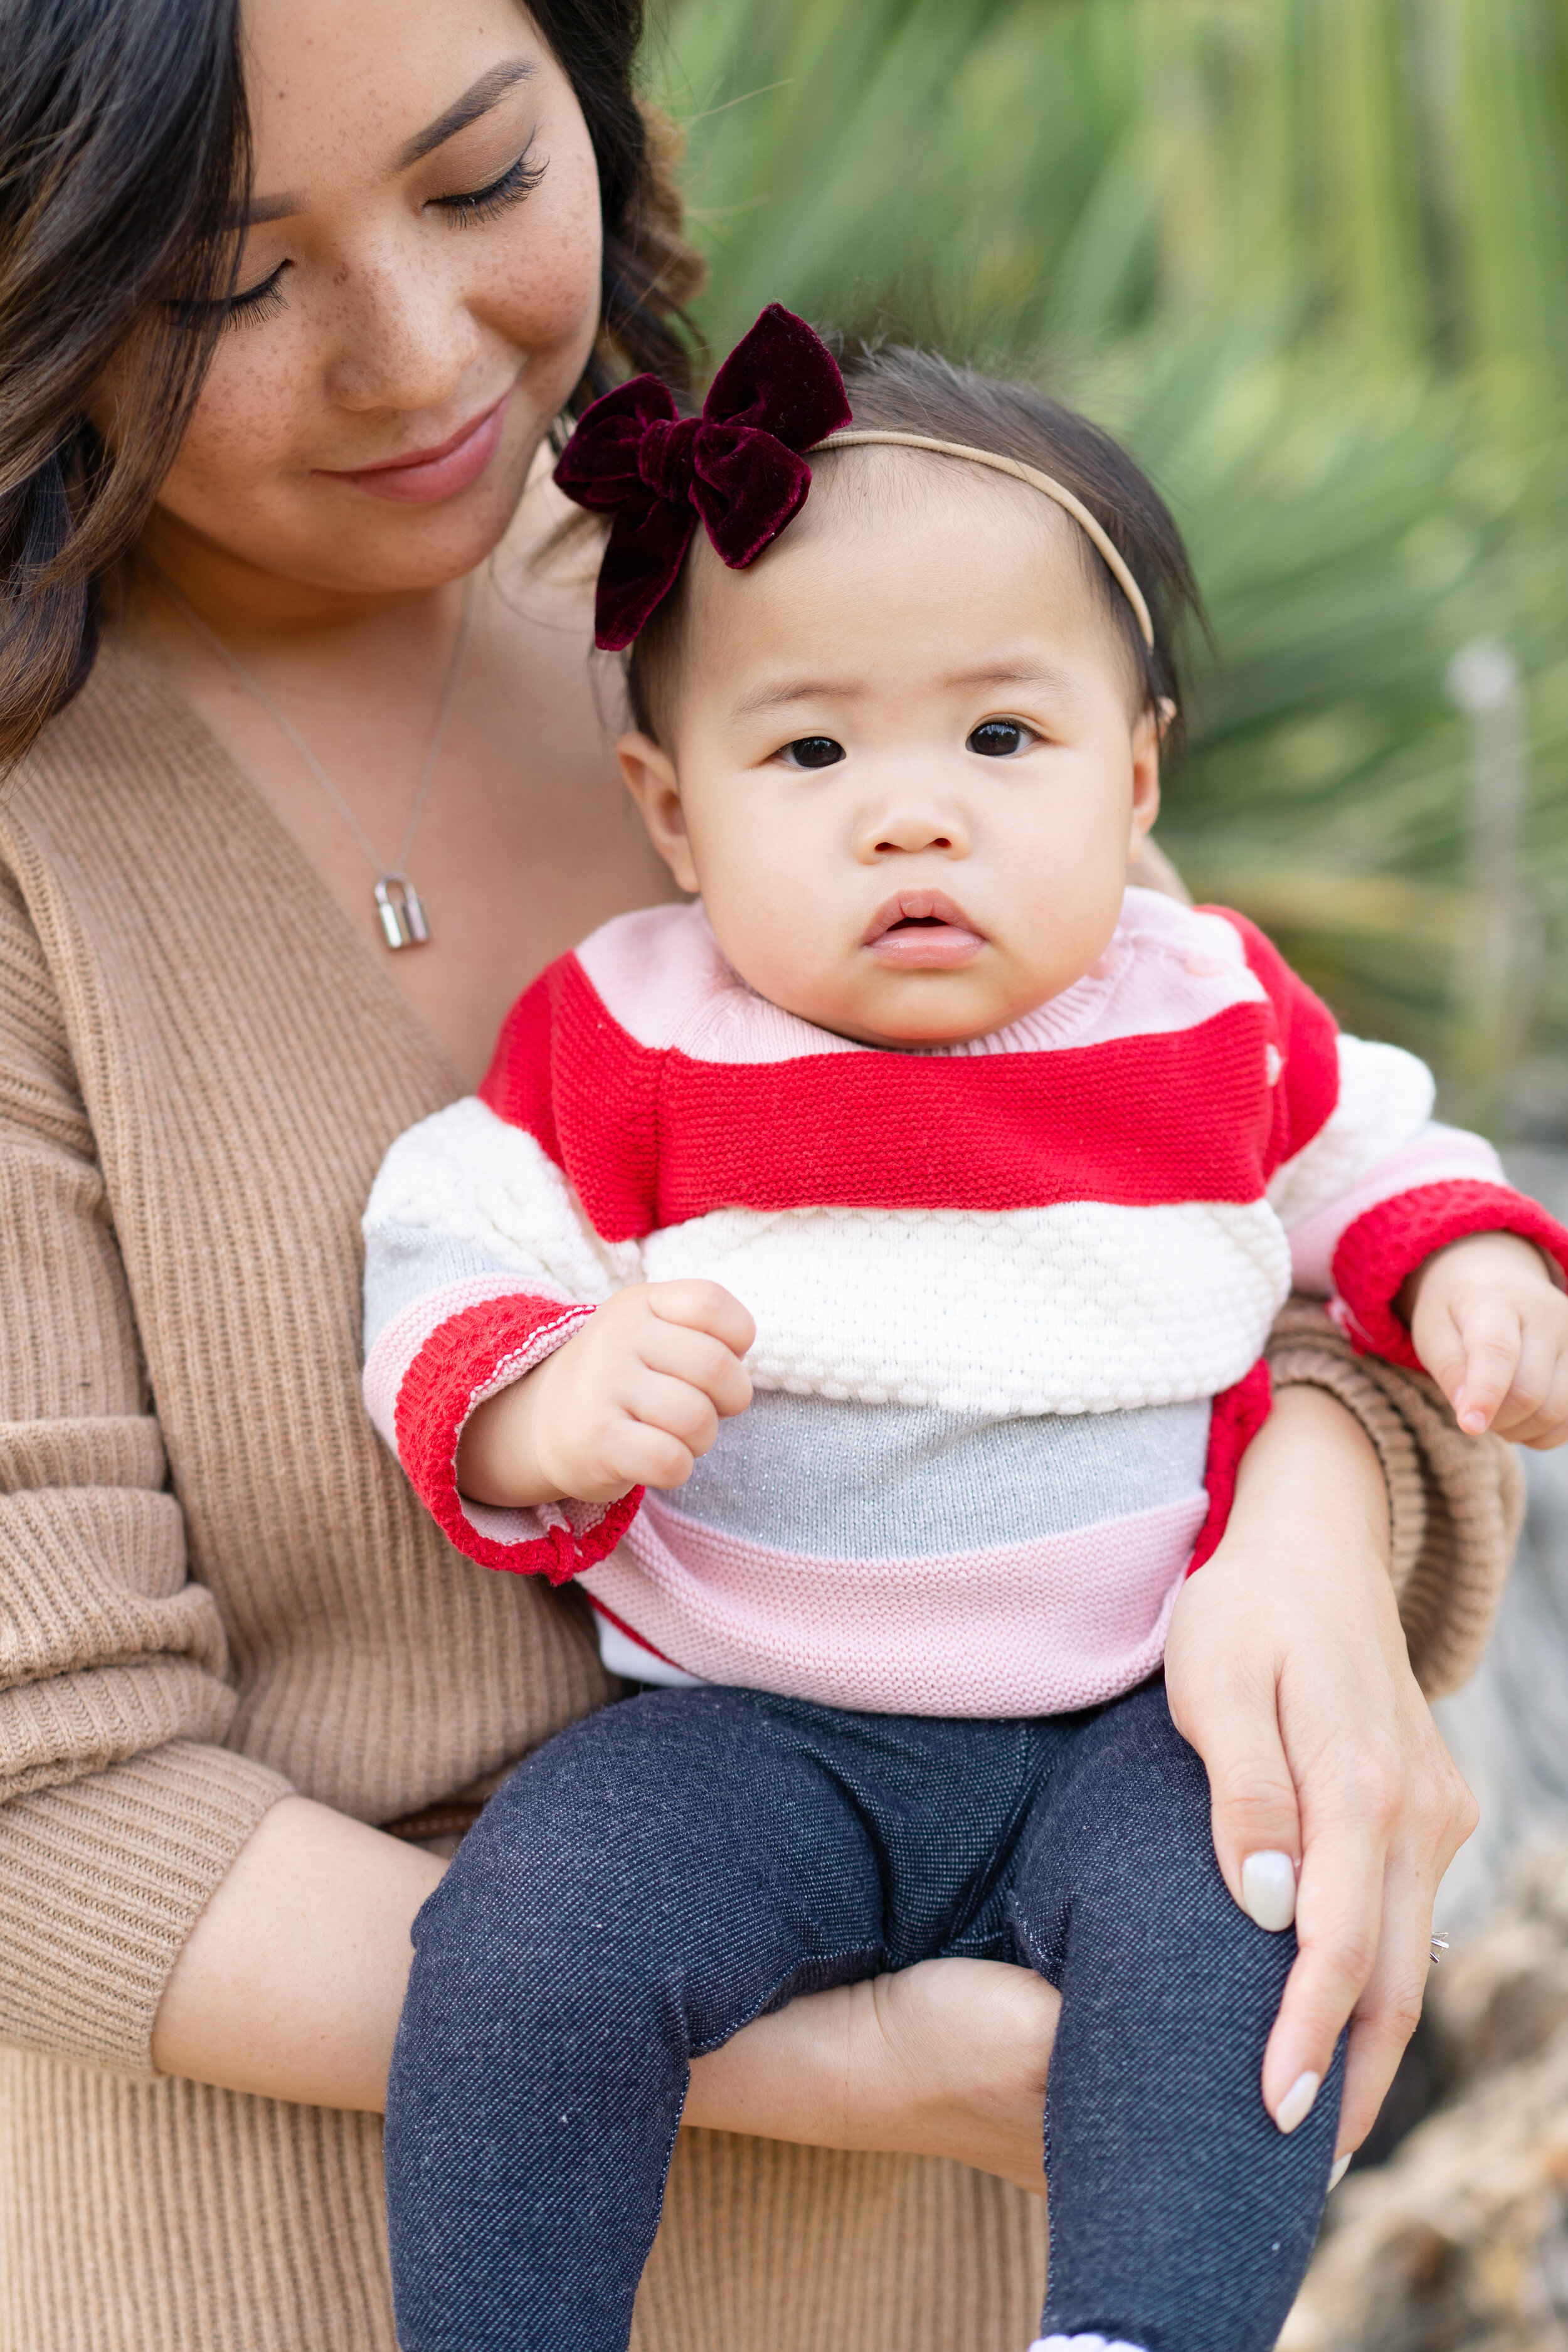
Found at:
<point>1440,1945</point>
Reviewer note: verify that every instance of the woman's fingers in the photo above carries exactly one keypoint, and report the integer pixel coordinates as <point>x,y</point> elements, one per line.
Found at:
<point>1439,1814</point>
<point>1339,1908</point>
<point>948,2058</point>
<point>1390,2006</point>
<point>1231,1715</point>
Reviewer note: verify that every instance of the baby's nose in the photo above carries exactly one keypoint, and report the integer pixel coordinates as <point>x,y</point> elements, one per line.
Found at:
<point>914,837</point>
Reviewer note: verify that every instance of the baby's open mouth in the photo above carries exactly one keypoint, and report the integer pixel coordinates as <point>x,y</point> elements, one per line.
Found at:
<point>923,930</point>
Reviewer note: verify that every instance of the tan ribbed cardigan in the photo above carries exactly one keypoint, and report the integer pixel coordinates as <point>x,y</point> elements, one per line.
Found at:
<point>218,1586</point>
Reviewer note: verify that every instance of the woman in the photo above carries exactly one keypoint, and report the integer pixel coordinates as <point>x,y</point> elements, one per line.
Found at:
<point>281,361</point>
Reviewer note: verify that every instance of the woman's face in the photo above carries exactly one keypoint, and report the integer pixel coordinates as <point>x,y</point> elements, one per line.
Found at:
<point>418,292</point>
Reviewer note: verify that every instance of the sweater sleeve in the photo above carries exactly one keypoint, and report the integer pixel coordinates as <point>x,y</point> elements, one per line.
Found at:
<point>1382,1185</point>
<point>479,1263</point>
<point>119,1808</point>
<point>1367,1183</point>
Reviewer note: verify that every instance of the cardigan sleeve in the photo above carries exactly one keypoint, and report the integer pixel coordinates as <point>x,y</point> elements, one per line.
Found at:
<point>120,1807</point>
<point>1455,1503</point>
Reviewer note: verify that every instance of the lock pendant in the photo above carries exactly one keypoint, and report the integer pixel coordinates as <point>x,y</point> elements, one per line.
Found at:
<point>402,917</point>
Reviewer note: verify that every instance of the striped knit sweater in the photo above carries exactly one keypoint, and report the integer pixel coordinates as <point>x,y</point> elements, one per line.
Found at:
<point>1011,1297</point>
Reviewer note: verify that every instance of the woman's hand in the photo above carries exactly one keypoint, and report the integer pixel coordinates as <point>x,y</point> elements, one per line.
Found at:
<point>1287,1670</point>
<point>946,2059</point>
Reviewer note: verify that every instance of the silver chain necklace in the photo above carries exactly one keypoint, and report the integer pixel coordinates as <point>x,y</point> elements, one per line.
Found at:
<point>399,908</point>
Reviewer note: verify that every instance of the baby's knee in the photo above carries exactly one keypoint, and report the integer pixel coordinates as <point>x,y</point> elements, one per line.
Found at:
<point>1120,1857</point>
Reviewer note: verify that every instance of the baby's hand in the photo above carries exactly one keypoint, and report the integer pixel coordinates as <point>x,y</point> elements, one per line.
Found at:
<point>1491,1327</point>
<point>632,1400</point>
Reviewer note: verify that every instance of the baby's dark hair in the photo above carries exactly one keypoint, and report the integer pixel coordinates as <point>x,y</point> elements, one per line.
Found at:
<point>903,391</point>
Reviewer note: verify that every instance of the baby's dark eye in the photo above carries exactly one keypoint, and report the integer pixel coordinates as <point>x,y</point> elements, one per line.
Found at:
<point>813,751</point>
<point>999,739</point>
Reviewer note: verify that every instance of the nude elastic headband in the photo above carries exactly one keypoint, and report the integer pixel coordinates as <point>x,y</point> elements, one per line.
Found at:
<point>741,467</point>
<point>870,439</point>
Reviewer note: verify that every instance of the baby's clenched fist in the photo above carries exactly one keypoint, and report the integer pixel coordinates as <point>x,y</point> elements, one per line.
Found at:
<point>631,1399</point>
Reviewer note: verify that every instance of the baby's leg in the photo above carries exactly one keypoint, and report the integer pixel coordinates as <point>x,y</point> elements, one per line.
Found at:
<point>639,1889</point>
<point>1181,2220</point>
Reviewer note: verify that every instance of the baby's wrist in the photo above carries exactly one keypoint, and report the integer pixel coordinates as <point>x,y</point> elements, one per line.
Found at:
<point>500,1460</point>
<point>1492,1252</point>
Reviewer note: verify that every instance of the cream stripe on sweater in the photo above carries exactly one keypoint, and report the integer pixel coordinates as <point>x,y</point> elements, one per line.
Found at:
<point>215,1585</point>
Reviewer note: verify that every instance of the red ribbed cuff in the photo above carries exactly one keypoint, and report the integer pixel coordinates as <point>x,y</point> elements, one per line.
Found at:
<point>465,1360</point>
<point>1377,1254</point>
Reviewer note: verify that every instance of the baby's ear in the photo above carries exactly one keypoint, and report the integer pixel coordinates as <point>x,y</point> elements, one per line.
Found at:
<point>652,782</point>
<point>1147,729</point>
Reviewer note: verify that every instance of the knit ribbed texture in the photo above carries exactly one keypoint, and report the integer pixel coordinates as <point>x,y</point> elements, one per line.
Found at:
<point>208,1598</point>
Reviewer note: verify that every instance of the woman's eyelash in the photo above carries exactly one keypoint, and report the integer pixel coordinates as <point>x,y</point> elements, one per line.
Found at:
<point>484,203</point>
<point>262,301</point>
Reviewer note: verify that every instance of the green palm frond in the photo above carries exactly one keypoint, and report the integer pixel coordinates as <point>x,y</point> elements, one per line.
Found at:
<point>1311,257</point>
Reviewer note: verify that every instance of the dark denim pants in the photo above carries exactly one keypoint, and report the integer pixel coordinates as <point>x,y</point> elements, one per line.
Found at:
<point>674,1865</point>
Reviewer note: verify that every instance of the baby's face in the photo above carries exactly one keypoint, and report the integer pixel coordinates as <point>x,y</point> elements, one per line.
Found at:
<point>906,764</point>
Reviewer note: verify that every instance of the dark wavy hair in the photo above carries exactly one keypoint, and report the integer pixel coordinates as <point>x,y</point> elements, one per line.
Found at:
<point>124,159</point>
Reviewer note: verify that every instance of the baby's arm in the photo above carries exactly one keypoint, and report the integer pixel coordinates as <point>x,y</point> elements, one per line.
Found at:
<point>631,1400</point>
<point>1491,1327</point>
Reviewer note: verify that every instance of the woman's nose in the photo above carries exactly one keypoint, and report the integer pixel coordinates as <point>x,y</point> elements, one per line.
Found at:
<point>405,337</point>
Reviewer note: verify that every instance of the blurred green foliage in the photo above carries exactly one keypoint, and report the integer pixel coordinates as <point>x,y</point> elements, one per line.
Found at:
<point>1311,258</point>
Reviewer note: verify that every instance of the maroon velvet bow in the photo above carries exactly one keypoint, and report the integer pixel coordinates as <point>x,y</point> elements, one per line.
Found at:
<point>737,465</point>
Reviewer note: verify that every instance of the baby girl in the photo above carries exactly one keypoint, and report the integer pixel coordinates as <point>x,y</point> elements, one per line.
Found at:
<point>855,1278</point>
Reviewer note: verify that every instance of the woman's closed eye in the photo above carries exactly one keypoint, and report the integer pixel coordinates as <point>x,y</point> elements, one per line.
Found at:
<point>1001,739</point>
<point>811,752</point>
<point>265,299</point>
<point>262,300</point>
<point>518,181</point>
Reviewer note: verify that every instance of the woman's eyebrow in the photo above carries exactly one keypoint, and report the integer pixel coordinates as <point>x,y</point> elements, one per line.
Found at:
<point>477,99</point>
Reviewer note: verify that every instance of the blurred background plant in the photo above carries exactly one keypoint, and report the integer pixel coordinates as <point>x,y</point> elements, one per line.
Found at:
<point>1310,257</point>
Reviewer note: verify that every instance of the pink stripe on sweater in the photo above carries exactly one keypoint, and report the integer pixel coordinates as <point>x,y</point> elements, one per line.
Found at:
<point>662,975</point>
<point>397,1344</point>
<point>1034,1628</point>
<point>1440,1155</point>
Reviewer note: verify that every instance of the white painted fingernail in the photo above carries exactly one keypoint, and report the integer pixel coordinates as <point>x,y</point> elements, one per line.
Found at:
<point>1341,2166</point>
<point>1297,2104</point>
<point>1269,1890</point>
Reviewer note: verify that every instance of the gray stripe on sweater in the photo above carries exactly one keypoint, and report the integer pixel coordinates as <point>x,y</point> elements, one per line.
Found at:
<point>402,1263</point>
<point>892,1482</point>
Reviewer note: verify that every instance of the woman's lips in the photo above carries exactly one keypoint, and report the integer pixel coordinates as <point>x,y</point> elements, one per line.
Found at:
<point>435,473</point>
<point>923,930</point>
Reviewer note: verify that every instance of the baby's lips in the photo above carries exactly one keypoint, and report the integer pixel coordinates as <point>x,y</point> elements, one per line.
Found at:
<point>929,908</point>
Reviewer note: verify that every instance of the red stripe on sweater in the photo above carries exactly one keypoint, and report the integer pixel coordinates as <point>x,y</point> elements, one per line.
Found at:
<point>458,1361</point>
<point>1239,1414</point>
<point>1382,1249</point>
<point>650,1138</point>
<point>601,1608</point>
<point>1305,1036</point>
